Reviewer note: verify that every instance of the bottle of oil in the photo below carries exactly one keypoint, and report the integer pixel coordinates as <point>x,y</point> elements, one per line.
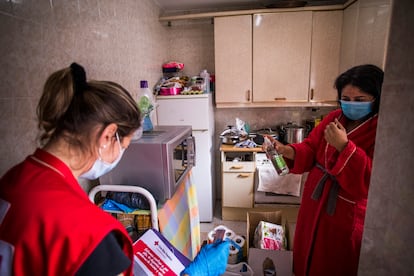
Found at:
<point>277,159</point>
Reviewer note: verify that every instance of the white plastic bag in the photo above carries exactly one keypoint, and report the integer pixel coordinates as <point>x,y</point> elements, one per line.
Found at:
<point>239,269</point>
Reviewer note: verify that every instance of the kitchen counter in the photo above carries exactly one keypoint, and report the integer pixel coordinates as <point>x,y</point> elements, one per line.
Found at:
<point>232,148</point>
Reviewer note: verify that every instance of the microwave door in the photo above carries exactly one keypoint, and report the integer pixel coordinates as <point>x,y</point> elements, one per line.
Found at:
<point>191,151</point>
<point>184,159</point>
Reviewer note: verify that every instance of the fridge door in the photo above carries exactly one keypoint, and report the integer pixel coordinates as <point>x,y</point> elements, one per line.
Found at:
<point>202,175</point>
<point>184,110</point>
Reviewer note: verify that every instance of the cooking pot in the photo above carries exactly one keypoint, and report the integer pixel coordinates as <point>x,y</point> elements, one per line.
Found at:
<point>292,133</point>
<point>259,135</point>
<point>231,136</point>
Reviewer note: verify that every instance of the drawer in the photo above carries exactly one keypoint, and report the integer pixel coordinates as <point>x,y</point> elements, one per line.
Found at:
<point>238,189</point>
<point>239,166</point>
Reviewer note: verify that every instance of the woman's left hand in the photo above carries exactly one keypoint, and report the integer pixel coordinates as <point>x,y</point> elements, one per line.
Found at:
<point>335,135</point>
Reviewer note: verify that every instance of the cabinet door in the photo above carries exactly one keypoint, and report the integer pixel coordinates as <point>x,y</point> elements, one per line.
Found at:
<point>326,45</point>
<point>372,32</point>
<point>365,33</point>
<point>233,58</point>
<point>281,56</point>
<point>348,39</point>
<point>238,189</point>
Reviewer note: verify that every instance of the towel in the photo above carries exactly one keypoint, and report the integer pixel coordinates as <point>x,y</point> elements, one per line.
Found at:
<point>270,181</point>
<point>179,219</point>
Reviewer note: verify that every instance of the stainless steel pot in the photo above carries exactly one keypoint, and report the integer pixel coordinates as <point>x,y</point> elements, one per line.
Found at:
<point>231,136</point>
<point>293,133</point>
<point>259,138</point>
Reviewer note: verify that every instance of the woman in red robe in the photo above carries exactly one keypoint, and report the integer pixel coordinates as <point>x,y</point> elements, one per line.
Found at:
<point>338,155</point>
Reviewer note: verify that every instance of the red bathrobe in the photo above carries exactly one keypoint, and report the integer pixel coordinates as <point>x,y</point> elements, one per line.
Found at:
<point>330,223</point>
<point>51,222</point>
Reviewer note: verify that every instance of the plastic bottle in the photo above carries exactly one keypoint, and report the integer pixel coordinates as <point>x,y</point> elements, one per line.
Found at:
<point>206,76</point>
<point>277,159</point>
<point>146,104</point>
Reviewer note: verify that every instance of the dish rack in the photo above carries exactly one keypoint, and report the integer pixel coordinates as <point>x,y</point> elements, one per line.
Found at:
<point>129,189</point>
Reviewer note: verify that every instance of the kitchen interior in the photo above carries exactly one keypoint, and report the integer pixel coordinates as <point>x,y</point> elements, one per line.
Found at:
<point>129,41</point>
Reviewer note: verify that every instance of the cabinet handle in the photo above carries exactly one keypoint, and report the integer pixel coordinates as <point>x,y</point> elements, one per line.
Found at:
<point>243,175</point>
<point>311,94</point>
<point>248,95</point>
<point>236,167</point>
<point>280,99</point>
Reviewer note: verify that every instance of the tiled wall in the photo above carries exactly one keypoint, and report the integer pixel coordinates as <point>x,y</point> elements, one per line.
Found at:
<point>122,41</point>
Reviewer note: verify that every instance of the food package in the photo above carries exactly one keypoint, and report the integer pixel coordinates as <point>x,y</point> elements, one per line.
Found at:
<point>269,236</point>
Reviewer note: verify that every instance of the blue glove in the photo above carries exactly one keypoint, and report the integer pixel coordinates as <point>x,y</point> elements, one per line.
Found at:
<point>210,261</point>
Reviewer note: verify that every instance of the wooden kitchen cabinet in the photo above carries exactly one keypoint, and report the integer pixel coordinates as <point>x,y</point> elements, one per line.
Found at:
<point>325,53</point>
<point>281,56</point>
<point>365,33</point>
<point>233,58</point>
<point>277,59</point>
<point>238,169</point>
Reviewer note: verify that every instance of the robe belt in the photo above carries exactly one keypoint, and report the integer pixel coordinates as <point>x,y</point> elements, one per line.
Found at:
<point>333,192</point>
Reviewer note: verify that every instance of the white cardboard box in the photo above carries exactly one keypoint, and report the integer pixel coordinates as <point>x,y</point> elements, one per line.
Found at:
<point>154,255</point>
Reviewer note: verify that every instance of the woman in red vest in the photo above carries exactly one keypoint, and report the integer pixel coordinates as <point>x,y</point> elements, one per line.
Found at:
<point>48,225</point>
<point>338,156</point>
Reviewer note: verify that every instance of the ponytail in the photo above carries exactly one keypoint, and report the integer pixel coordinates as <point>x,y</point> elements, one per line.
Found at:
<point>71,107</point>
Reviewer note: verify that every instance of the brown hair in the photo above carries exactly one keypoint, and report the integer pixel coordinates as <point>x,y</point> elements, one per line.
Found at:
<point>71,108</point>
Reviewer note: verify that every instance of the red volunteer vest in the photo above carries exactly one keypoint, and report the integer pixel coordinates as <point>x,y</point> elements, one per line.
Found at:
<point>51,222</point>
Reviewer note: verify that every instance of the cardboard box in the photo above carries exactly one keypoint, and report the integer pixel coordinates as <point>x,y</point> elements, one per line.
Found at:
<point>260,259</point>
<point>155,255</point>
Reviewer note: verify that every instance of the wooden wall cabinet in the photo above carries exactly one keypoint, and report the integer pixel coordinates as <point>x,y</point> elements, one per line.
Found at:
<point>281,56</point>
<point>294,58</point>
<point>365,33</point>
<point>233,58</point>
<point>326,46</point>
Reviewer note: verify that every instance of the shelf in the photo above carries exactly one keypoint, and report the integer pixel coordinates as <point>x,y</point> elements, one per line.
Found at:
<point>277,104</point>
<point>206,15</point>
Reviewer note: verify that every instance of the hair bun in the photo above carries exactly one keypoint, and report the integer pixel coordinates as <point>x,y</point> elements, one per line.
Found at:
<point>79,78</point>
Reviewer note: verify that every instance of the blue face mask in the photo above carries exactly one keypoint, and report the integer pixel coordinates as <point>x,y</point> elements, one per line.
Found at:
<point>101,167</point>
<point>356,110</point>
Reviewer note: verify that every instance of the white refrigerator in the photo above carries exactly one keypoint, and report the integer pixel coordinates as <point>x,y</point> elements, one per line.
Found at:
<point>197,111</point>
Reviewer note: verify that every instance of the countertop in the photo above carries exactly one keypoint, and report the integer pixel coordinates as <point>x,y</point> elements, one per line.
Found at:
<point>232,148</point>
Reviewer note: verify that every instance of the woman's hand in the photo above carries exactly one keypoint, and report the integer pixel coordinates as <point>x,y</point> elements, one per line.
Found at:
<point>282,149</point>
<point>211,260</point>
<point>335,135</point>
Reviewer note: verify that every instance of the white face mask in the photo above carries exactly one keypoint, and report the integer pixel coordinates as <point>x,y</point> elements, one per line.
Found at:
<point>101,167</point>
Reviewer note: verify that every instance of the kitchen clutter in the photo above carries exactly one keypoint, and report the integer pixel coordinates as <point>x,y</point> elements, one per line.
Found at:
<point>173,82</point>
<point>131,209</point>
<point>238,136</point>
<point>288,133</point>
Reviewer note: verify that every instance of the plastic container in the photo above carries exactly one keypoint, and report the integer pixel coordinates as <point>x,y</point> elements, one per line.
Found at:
<point>206,76</point>
<point>146,104</point>
<point>168,91</point>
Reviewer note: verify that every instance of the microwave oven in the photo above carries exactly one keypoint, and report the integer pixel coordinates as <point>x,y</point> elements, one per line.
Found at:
<point>158,161</point>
